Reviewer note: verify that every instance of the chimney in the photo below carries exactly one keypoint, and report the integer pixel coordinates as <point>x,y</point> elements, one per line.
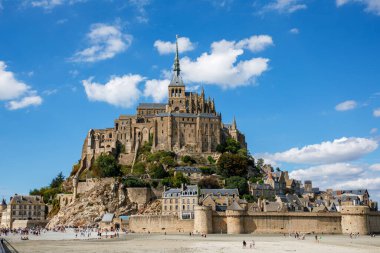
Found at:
<point>182,187</point>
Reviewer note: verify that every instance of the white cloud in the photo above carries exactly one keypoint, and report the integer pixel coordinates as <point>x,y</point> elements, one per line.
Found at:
<point>284,6</point>
<point>339,150</point>
<point>373,130</point>
<point>368,183</point>
<point>24,102</point>
<point>140,5</point>
<point>50,4</point>
<point>346,105</point>
<point>294,31</point>
<point>326,171</point>
<point>105,41</point>
<point>157,89</point>
<point>221,65</point>
<point>372,6</point>
<point>167,47</point>
<point>256,43</point>
<point>376,112</point>
<point>119,91</point>
<point>342,176</point>
<point>375,167</point>
<point>50,92</point>
<point>10,87</point>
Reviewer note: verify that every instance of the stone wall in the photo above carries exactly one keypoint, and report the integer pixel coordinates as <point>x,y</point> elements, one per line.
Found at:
<point>329,223</point>
<point>141,196</point>
<point>91,183</point>
<point>159,224</point>
<point>28,223</point>
<point>374,222</point>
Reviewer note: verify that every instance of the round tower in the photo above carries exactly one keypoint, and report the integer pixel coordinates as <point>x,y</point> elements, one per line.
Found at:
<point>355,219</point>
<point>235,223</point>
<point>202,219</point>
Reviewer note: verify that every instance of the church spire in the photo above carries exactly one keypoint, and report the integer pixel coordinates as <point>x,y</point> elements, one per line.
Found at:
<point>234,123</point>
<point>177,69</point>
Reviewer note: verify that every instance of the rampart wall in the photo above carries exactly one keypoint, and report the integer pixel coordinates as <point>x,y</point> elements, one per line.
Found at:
<point>159,224</point>
<point>351,220</point>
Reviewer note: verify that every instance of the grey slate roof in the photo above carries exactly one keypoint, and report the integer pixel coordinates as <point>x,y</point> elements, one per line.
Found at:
<point>176,81</point>
<point>188,169</point>
<point>221,191</point>
<point>108,217</point>
<point>261,186</point>
<point>151,106</point>
<point>235,207</point>
<point>187,115</point>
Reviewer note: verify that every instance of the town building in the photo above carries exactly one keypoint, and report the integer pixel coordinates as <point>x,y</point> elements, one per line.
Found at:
<point>180,201</point>
<point>264,191</point>
<point>218,199</point>
<point>24,210</point>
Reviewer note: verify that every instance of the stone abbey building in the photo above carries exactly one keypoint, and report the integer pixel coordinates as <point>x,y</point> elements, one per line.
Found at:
<point>187,124</point>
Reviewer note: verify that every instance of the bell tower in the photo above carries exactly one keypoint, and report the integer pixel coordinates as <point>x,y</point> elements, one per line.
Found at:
<point>176,89</point>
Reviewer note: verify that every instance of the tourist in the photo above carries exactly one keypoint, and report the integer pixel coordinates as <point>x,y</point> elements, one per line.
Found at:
<point>244,244</point>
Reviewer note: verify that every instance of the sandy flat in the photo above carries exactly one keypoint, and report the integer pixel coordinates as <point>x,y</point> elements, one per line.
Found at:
<point>57,243</point>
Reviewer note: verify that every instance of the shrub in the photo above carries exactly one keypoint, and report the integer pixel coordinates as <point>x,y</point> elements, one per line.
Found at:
<point>209,183</point>
<point>237,182</point>
<point>188,159</point>
<point>135,182</point>
<point>157,171</point>
<point>211,160</point>
<point>139,168</point>
<point>232,165</point>
<point>106,166</point>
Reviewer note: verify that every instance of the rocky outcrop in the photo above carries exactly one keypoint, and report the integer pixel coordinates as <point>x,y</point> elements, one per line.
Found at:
<point>89,208</point>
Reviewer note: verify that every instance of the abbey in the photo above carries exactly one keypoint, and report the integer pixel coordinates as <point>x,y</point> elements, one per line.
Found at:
<point>187,124</point>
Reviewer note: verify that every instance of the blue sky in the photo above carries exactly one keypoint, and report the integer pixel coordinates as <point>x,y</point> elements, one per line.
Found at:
<point>302,78</point>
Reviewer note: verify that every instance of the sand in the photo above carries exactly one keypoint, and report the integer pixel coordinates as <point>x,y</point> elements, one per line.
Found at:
<point>58,242</point>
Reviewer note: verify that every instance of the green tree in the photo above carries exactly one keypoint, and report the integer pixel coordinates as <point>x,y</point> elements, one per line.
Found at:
<point>157,171</point>
<point>57,181</point>
<point>232,165</point>
<point>134,182</point>
<point>211,160</point>
<point>208,183</point>
<point>139,168</point>
<point>106,166</point>
<point>237,182</point>
<point>188,159</point>
<point>232,146</point>
<point>168,161</point>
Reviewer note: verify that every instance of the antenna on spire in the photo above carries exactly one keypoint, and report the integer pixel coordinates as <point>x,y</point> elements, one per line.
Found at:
<point>177,69</point>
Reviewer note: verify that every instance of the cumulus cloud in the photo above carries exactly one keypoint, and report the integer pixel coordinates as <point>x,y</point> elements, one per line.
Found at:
<point>10,87</point>
<point>255,43</point>
<point>20,94</point>
<point>294,31</point>
<point>157,89</point>
<point>284,6</point>
<point>376,112</point>
<point>167,47</point>
<point>221,65</point>
<point>342,176</point>
<point>339,150</point>
<point>105,41</point>
<point>24,102</point>
<point>372,6</point>
<point>346,105</point>
<point>119,91</point>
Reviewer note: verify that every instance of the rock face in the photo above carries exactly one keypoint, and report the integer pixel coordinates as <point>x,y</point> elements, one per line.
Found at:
<point>89,208</point>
